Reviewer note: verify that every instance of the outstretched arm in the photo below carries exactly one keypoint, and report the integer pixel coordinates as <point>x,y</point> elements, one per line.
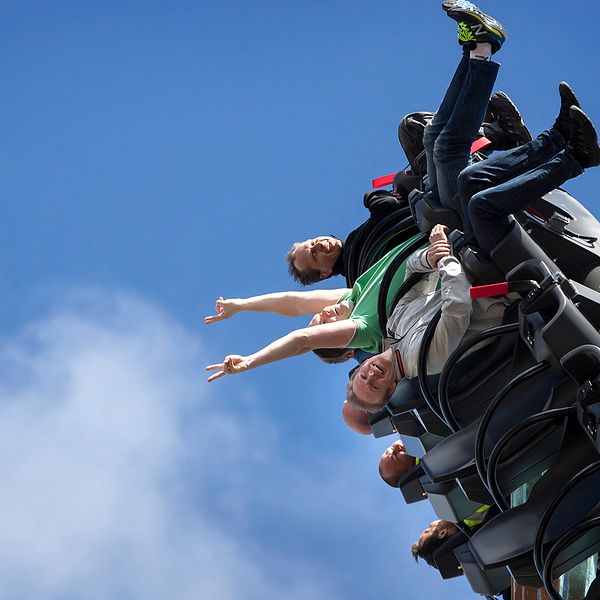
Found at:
<point>290,304</point>
<point>328,335</point>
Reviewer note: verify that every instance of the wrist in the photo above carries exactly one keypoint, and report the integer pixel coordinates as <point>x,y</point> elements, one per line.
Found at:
<point>427,261</point>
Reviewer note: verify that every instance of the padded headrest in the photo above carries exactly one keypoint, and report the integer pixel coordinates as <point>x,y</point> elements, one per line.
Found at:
<point>444,557</point>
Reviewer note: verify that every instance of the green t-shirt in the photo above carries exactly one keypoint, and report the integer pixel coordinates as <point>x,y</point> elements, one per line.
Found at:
<point>365,295</point>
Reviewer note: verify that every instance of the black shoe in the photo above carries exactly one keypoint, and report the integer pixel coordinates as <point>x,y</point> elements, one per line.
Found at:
<point>504,126</point>
<point>567,99</point>
<point>583,139</point>
<point>475,26</point>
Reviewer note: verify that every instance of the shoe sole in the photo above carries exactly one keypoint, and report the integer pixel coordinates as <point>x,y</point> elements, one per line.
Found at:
<point>567,94</point>
<point>462,7</point>
<point>585,123</point>
<point>500,102</point>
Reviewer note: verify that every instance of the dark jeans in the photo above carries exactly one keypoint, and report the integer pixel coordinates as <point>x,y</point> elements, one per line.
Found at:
<point>491,190</point>
<point>455,125</point>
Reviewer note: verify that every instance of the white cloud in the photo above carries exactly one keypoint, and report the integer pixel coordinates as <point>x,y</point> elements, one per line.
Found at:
<point>124,475</point>
<point>109,450</point>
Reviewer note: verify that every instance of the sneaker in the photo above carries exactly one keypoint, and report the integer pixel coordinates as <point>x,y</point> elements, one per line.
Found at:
<point>475,26</point>
<point>504,126</point>
<point>583,140</point>
<point>567,99</point>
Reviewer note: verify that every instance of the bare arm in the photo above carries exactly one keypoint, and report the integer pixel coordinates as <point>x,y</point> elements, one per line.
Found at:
<point>328,335</point>
<point>290,304</point>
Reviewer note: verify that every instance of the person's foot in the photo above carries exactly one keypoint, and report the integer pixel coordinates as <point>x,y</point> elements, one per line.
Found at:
<point>503,124</point>
<point>567,99</point>
<point>583,139</point>
<point>475,26</point>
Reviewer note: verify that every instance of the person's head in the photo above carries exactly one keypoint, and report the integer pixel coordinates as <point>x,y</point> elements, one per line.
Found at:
<point>395,463</point>
<point>431,539</point>
<point>334,356</point>
<point>373,383</point>
<point>356,418</point>
<point>313,260</point>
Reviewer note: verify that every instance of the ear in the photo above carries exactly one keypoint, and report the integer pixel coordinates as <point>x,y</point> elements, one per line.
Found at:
<point>442,533</point>
<point>325,273</point>
<point>350,353</point>
<point>393,387</point>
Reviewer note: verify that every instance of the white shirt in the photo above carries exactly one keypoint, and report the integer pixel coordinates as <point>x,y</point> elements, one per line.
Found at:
<point>461,317</point>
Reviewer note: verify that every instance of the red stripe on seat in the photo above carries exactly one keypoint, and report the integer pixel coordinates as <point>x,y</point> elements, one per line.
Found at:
<point>480,144</point>
<point>383,181</point>
<point>494,289</point>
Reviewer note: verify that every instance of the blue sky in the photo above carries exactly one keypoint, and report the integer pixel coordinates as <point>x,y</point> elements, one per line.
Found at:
<point>154,156</point>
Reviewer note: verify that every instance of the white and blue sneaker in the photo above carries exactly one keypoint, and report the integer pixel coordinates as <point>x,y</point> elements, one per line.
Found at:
<point>475,26</point>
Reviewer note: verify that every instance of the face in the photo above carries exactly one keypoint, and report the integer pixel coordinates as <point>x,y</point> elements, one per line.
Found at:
<point>440,529</point>
<point>318,254</point>
<point>375,379</point>
<point>395,462</point>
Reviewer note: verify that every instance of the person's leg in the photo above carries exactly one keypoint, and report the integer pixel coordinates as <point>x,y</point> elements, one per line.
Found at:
<point>505,167</point>
<point>488,210</point>
<point>442,115</point>
<point>481,36</point>
<point>518,177</point>
<point>453,145</point>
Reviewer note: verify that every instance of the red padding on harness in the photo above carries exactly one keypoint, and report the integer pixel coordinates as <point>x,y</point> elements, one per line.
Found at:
<point>479,144</point>
<point>386,180</point>
<point>383,181</point>
<point>484,291</point>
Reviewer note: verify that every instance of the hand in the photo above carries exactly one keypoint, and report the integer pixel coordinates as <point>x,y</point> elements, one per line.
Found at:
<point>316,320</point>
<point>231,365</point>
<point>336,312</point>
<point>224,309</point>
<point>438,234</point>
<point>437,251</point>
<point>330,314</point>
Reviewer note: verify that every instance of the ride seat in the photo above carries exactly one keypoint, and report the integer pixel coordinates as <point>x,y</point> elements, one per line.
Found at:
<point>427,212</point>
<point>508,538</point>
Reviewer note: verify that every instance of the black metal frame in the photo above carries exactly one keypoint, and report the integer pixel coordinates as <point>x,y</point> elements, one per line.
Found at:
<point>443,384</point>
<point>492,479</point>
<point>494,404</point>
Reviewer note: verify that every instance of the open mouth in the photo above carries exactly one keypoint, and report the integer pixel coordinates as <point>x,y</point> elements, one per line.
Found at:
<point>376,366</point>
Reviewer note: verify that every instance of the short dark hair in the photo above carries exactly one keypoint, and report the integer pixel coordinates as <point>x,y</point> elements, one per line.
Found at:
<point>307,277</point>
<point>427,548</point>
<point>356,401</point>
<point>332,356</point>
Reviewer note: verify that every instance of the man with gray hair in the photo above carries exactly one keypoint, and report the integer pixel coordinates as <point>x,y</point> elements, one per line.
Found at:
<point>374,382</point>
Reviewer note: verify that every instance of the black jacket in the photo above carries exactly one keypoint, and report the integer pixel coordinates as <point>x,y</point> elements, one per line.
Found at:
<point>390,224</point>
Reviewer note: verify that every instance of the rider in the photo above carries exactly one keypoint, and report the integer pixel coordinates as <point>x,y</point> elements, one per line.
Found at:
<point>455,126</point>
<point>557,154</point>
<point>466,99</point>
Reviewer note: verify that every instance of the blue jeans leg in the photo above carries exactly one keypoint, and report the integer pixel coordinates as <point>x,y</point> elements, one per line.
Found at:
<point>504,167</point>
<point>452,148</point>
<point>488,210</point>
<point>442,115</point>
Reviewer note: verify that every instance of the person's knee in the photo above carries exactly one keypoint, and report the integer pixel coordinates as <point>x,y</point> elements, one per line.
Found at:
<point>450,142</point>
<point>481,208</point>
<point>471,181</point>
<point>467,184</point>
